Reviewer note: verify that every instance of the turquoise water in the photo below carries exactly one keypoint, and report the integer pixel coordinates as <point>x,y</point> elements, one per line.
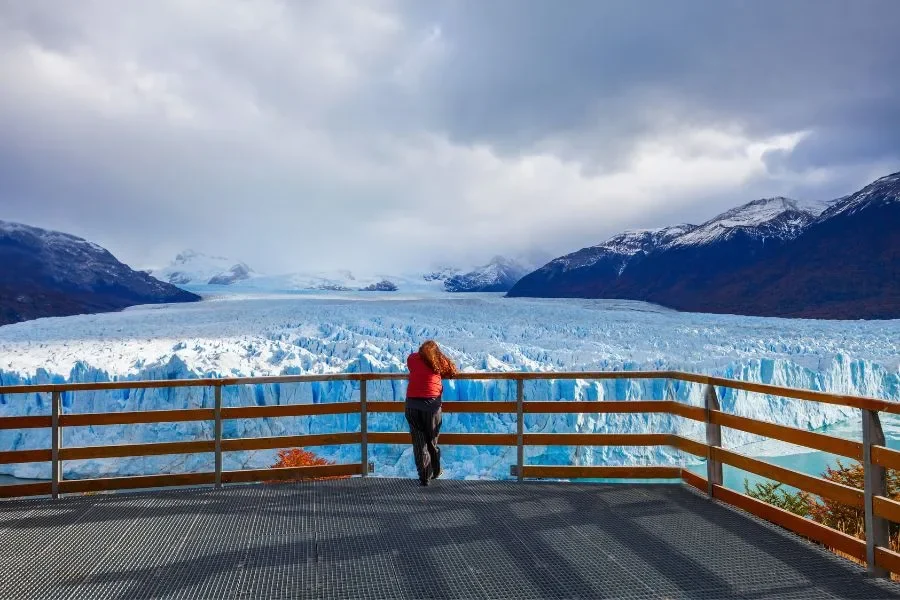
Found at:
<point>811,462</point>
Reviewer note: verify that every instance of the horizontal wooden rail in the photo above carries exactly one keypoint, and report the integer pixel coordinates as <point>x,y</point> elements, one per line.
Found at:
<point>693,480</point>
<point>791,435</point>
<point>591,472</point>
<point>688,445</point>
<point>596,439</point>
<point>887,559</point>
<point>887,508</point>
<point>592,407</point>
<point>697,413</point>
<point>283,473</point>
<point>291,410</point>
<point>478,407</point>
<point>29,422</point>
<point>10,457</point>
<point>42,488</point>
<point>386,406</point>
<point>290,441</point>
<point>449,439</point>
<point>135,417</point>
<point>815,485</point>
<point>797,394</point>
<point>448,406</point>
<point>890,459</point>
<point>185,479</point>
<point>825,397</point>
<point>331,377</point>
<point>72,486</point>
<point>123,450</point>
<point>335,408</point>
<point>805,527</point>
<point>394,437</point>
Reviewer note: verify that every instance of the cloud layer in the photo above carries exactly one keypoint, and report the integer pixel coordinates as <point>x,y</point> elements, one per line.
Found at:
<point>398,135</point>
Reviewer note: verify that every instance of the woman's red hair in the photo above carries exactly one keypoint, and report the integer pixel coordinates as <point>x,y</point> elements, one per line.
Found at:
<point>436,360</point>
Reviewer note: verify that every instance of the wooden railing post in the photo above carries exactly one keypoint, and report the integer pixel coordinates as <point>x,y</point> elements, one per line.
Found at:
<point>877,533</point>
<point>713,441</point>
<point>363,428</point>
<point>55,443</point>
<point>218,434</point>
<point>520,428</point>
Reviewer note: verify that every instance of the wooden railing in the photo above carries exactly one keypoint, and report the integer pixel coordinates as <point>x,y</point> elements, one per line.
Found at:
<point>871,452</point>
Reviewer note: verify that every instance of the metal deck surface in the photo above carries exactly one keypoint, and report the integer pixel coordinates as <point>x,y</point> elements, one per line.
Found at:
<point>388,538</point>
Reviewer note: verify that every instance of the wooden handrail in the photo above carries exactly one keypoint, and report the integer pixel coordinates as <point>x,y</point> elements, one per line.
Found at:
<point>887,508</point>
<point>826,535</point>
<point>29,422</point>
<point>886,457</point>
<point>774,390</point>
<point>290,441</point>
<point>815,485</point>
<point>597,406</point>
<point>290,410</point>
<point>576,472</point>
<point>122,450</point>
<point>694,480</point>
<point>791,435</point>
<point>888,559</point>
<point>597,439</point>
<point>688,445</point>
<point>136,417</point>
<point>9,457</point>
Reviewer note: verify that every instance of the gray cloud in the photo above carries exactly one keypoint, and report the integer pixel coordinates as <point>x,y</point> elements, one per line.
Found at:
<point>390,135</point>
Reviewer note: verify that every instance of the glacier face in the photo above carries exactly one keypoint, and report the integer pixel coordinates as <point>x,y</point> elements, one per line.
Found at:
<point>235,334</point>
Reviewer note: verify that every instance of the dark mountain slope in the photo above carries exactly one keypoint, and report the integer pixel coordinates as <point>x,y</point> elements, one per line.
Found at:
<point>47,273</point>
<point>770,257</point>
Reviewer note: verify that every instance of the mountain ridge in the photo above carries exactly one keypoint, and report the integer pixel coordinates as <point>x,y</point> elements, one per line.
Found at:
<point>49,273</point>
<point>726,265</point>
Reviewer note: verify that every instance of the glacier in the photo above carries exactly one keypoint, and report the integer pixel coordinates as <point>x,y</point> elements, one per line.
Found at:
<point>256,334</point>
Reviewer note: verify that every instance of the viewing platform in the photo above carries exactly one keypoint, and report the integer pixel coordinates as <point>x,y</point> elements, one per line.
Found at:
<point>367,537</point>
<point>390,538</point>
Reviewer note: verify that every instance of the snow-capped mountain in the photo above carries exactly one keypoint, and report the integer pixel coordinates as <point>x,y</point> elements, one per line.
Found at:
<point>335,281</point>
<point>880,193</point>
<point>195,268</point>
<point>768,218</point>
<point>498,275</point>
<point>775,243</point>
<point>48,273</point>
<point>846,264</point>
<point>617,251</point>
<point>441,274</point>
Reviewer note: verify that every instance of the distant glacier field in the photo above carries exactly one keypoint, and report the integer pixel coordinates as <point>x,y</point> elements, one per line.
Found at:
<point>253,334</point>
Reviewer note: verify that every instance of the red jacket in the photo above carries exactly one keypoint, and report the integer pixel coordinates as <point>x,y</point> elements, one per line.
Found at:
<point>423,382</point>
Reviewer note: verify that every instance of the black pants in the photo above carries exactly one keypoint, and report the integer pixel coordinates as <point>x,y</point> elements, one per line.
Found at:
<point>425,426</point>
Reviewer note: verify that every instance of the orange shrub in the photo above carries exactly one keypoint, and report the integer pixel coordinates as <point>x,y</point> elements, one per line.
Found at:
<point>298,457</point>
<point>849,519</point>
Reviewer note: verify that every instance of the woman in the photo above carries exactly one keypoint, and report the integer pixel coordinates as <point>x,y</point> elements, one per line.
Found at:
<point>423,406</point>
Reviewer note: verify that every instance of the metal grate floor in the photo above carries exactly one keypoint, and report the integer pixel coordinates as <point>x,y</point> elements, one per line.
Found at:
<point>389,538</point>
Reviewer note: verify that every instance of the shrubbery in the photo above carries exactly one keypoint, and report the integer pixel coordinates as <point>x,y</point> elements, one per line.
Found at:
<point>298,457</point>
<point>848,519</point>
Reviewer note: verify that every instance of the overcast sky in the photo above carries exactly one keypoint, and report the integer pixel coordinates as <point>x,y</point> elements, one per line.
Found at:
<point>395,135</point>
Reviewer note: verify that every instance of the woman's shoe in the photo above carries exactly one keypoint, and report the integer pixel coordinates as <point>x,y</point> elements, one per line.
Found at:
<point>423,482</point>
<point>438,474</point>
